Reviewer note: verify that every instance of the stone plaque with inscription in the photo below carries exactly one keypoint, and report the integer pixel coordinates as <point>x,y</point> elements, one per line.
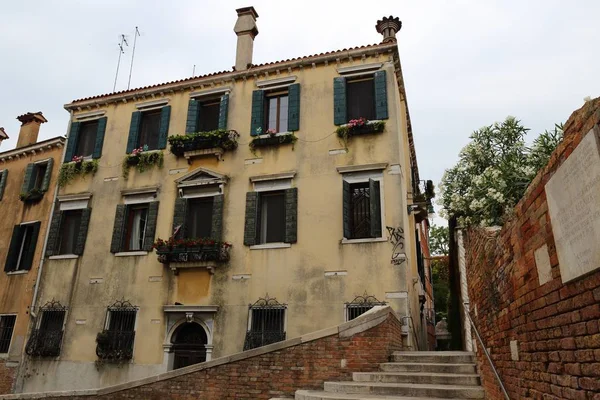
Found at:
<point>573,195</point>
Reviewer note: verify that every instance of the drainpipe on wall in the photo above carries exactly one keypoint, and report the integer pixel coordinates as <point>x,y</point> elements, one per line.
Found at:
<point>464,290</point>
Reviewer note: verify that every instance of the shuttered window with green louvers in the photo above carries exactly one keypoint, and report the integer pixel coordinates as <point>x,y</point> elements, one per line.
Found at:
<point>190,217</point>
<point>68,231</point>
<point>271,217</point>
<point>258,113</point>
<point>22,247</point>
<point>149,128</point>
<point>366,98</point>
<point>134,228</point>
<point>3,179</point>
<point>362,210</point>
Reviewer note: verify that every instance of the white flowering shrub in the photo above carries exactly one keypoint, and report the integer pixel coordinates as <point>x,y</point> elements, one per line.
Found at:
<point>493,171</point>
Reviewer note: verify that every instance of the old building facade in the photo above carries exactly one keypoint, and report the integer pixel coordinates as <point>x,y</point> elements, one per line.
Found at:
<point>207,216</point>
<point>28,176</point>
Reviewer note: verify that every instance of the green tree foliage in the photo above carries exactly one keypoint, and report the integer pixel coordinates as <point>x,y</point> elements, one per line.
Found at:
<point>441,286</point>
<point>438,240</point>
<point>493,172</point>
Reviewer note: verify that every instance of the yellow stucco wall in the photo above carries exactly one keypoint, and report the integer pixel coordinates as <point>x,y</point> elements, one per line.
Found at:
<point>17,288</point>
<point>294,276</point>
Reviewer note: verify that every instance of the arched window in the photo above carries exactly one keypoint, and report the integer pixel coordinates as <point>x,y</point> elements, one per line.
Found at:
<point>189,345</point>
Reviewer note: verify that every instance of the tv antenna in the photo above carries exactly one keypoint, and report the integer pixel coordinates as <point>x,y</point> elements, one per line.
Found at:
<point>121,51</point>
<point>135,35</point>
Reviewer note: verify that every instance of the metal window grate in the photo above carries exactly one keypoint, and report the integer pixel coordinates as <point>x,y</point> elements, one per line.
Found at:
<point>267,323</point>
<point>360,305</point>
<point>7,325</point>
<point>360,210</point>
<point>116,343</point>
<point>45,340</point>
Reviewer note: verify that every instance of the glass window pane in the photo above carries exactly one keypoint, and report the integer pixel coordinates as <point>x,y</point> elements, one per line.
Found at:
<point>136,227</point>
<point>272,224</point>
<point>199,221</point>
<point>283,114</point>
<point>209,116</point>
<point>361,99</point>
<point>25,245</point>
<point>149,129</point>
<point>71,220</point>
<point>272,113</point>
<point>86,140</point>
<point>39,173</point>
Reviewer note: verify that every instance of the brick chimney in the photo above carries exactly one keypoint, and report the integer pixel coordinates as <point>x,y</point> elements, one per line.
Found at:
<point>30,128</point>
<point>246,30</point>
<point>3,135</point>
<point>388,26</point>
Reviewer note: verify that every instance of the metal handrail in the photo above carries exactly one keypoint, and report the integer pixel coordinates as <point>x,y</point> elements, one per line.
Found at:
<point>466,304</point>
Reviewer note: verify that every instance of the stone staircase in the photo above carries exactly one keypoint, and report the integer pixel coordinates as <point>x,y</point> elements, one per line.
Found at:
<point>415,375</point>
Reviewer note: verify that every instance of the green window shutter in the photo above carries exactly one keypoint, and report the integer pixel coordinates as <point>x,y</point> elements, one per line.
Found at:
<point>27,179</point>
<point>83,230</point>
<point>28,256</point>
<point>258,112</point>
<point>100,137</point>
<point>375,208</point>
<point>72,141</point>
<point>340,112</point>
<point>251,218</point>
<point>163,132</point>
<point>134,131</point>
<point>54,232</point>
<point>3,178</point>
<point>223,109</point>
<point>117,235</point>
<point>13,249</point>
<point>294,107</point>
<point>291,215</point>
<point>192,116</point>
<point>47,176</point>
<point>381,106</point>
<point>151,225</point>
<point>217,217</point>
<point>347,209</point>
<point>179,216</point>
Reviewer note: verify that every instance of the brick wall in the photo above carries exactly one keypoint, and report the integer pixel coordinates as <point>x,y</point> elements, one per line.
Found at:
<point>7,377</point>
<point>272,371</point>
<point>555,324</point>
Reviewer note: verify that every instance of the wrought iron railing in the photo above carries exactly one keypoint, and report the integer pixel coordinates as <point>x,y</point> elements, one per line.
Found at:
<point>193,254</point>
<point>44,343</point>
<point>487,355</point>
<point>361,211</point>
<point>115,345</point>
<point>360,305</point>
<point>262,338</point>
<point>267,324</point>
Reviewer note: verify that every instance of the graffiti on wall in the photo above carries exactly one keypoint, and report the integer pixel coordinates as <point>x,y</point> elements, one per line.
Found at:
<point>397,239</point>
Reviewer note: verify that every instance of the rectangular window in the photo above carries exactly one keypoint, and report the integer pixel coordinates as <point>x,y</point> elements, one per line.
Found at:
<point>24,245</point>
<point>267,325</point>
<point>39,172</point>
<point>7,325</point>
<point>276,112</point>
<point>149,129</point>
<point>199,217</point>
<point>86,140</point>
<point>115,342</point>
<point>271,223</point>
<point>69,231</point>
<point>360,211</point>
<point>135,227</point>
<point>209,116</point>
<point>122,320</point>
<point>361,99</point>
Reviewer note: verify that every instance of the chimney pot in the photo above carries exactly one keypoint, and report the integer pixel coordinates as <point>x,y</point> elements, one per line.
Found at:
<point>388,26</point>
<point>3,135</point>
<point>30,128</point>
<point>246,30</point>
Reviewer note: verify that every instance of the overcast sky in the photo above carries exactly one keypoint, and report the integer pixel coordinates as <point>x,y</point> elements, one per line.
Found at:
<point>466,63</point>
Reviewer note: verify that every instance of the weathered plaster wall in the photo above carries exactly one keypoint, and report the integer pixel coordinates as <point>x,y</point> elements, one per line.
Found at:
<point>542,333</point>
<point>16,289</point>
<point>295,275</point>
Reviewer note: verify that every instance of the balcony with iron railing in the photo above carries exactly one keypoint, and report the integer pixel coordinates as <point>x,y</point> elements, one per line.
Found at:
<point>44,343</point>
<point>115,346</point>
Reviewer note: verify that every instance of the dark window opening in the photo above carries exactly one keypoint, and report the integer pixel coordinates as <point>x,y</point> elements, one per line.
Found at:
<point>360,95</point>
<point>189,345</point>
<point>122,320</point>
<point>267,323</point>
<point>360,305</point>
<point>276,112</point>
<point>39,172</point>
<point>86,140</point>
<point>135,228</point>
<point>149,129</point>
<point>7,325</point>
<point>69,230</point>
<point>209,116</point>
<point>45,341</point>
<point>25,246</point>
<point>199,217</point>
<point>271,221</point>
<point>115,343</point>
<point>360,211</point>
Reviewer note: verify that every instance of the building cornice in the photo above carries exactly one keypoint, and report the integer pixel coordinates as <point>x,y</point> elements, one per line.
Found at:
<point>32,149</point>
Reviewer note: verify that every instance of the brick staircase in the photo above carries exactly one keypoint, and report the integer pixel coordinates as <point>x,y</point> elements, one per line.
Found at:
<point>412,375</point>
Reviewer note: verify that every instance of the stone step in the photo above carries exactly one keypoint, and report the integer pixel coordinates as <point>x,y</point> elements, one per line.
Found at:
<point>406,389</point>
<point>429,367</point>
<point>318,395</point>
<point>417,377</point>
<point>454,357</point>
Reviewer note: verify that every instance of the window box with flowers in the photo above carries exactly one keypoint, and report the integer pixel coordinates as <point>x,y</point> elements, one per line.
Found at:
<point>222,139</point>
<point>360,126</point>
<point>77,167</point>
<point>272,138</point>
<point>142,159</point>
<point>204,252</point>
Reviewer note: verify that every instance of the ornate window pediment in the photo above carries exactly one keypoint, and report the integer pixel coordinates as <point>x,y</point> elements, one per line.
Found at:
<point>201,177</point>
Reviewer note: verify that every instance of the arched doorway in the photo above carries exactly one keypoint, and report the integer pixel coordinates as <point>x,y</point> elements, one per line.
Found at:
<point>189,345</point>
